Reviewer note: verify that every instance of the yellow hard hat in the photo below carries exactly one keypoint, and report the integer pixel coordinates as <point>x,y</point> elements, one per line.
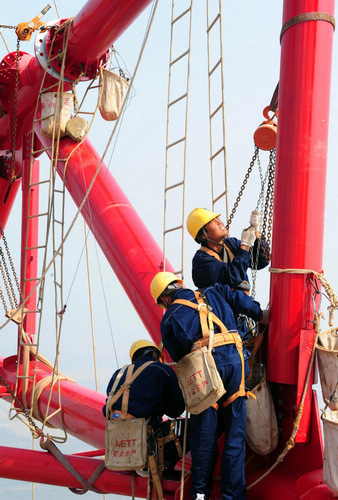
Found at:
<point>198,218</point>
<point>140,344</point>
<point>160,282</point>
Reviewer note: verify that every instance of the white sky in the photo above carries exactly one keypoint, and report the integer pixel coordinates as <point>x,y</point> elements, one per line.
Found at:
<point>251,55</point>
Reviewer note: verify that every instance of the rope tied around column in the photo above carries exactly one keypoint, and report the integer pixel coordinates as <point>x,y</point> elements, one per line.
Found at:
<point>332,297</point>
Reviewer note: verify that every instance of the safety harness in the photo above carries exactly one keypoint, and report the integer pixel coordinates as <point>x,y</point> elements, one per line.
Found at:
<point>244,286</point>
<point>207,320</point>
<point>155,466</point>
<point>213,253</point>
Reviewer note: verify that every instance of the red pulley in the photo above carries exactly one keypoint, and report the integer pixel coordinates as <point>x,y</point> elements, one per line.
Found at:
<point>265,137</point>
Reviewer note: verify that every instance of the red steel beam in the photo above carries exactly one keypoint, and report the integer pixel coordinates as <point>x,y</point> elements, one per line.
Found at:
<point>124,239</point>
<point>42,467</point>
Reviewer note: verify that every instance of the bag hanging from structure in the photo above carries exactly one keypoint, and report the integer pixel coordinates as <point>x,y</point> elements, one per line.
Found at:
<point>261,422</point>
<point>56,109</point>
<point>199,380</point>
<point>126,436</point>
<point>330,470</point>
<point>327,349</point>
<point>113,91</point>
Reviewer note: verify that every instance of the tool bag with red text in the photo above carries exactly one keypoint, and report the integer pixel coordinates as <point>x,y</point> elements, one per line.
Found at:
<point>126,436</point>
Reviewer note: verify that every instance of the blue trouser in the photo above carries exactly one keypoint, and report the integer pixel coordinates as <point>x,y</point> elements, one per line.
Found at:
<point>204,430</point>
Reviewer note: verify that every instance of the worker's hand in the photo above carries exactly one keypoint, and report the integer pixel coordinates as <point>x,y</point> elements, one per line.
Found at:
<point>265,317</point>
<point>255,219</point>
<point>248,236</point>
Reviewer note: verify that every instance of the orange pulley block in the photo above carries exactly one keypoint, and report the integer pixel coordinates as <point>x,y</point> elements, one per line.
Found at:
<point>24,31</point>
<point>265,137</point>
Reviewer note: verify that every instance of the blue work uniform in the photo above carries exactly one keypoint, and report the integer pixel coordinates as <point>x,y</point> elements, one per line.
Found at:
<point>155,392</point>
<point>180,328</point>
<point>207,270</point>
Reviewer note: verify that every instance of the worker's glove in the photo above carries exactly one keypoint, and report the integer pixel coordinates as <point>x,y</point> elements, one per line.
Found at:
<point>255,219</point>
<point>248,236</point>
<point>265,317</point>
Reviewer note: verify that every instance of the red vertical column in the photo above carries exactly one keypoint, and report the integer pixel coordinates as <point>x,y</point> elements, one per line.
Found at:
<point>303,116</point>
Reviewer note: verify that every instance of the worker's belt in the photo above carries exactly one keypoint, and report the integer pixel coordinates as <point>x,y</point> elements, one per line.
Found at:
<point>219,339</point>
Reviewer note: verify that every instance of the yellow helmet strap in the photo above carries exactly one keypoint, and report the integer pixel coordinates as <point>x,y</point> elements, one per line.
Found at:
<point>206,239</point>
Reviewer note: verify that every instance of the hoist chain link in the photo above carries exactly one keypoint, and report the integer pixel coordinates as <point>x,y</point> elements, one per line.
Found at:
<point>11,262</point>
<point>16,88</point>
<point>246,178</point>
<point>8,27</point>
<point>24,410</point>
<point>3,300</point>
<point>268,208</point>
<point>4,272</point>
<point>272,182</point>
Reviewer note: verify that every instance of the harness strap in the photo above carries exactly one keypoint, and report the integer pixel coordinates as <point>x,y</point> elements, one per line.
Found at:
<point>173,437</point>
<point>160,456</point>
<point>155,477</point>
<point>225,337</point>
<point>202,312</point>
<point>125,388</point>
<point>213,253</point>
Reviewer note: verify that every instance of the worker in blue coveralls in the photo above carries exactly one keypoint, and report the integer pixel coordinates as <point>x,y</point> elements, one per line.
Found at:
<point>225,260</point>
<point>154,393</point>
<point>222,259</point>
<point>181,333</point>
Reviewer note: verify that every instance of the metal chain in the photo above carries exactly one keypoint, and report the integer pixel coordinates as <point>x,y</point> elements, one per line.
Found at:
<point>4,272</point>
<point>16,87</point>
<point>24,410</point>
<point>3,301</point>
<point>268,209</point>
<point>246,178</point>
<point>272,164</point>
<point>11,262</point>
<point>9,27</point>
<point>259,206</point>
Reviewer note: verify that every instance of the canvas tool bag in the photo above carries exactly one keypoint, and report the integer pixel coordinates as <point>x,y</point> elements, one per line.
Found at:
<point>56,108</point>
<point>197,373</point>
<point>261,422</point>
<point>113,91</point>
<point>330,470</point>
<point>126,436</point>
<point>327,351</point>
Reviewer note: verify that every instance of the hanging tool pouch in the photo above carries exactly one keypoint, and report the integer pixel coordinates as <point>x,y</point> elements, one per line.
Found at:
<point>126,436</point>
<point>113,91</point>
<point>197,373</point>
<point>261,421</point>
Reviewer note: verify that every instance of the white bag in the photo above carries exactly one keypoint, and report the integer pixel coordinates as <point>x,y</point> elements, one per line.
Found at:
<point>199,380</point>
<point>327,349</point>
<point>126,444</point>
<point>50,108</point>
<point>330,469</point>
<point>261,422</point>
<point>113,92</point>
